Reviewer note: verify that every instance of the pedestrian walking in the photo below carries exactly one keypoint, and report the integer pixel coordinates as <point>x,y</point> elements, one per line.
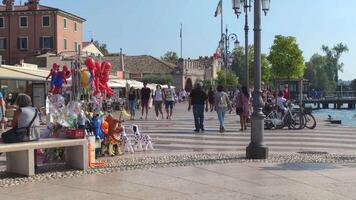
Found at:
<point>242,108</point>
<point>133,97</point>
<point>198,98</point>
<point>169,98</point>
<point>145,97</point>
<point>2,111</point>
<point>211,96</point>
<point>222,105</point>
<point>157,101</point>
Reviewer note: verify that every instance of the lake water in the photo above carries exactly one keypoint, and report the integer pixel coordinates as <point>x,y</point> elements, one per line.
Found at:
<point>348,117</point>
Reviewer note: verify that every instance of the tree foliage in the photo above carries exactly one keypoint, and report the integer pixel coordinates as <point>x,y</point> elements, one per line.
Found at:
<point>231,81</point>
<point>238,64</point>
<point>333,55</point>
<point>158,79</point>
<point>286,58</point>
<point>171,57</point>
<point>317,75</point>
<point>102,47</point>
<point>353,86</point>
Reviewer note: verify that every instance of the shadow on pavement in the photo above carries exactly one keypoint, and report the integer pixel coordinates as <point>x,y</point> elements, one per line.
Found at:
<point>302,166</point>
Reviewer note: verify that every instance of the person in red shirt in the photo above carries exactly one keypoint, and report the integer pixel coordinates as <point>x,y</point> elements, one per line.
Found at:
<point>286,92</point>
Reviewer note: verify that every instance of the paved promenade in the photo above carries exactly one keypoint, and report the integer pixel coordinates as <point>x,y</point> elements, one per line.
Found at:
<point>178,135</point>
<point>207,166</point>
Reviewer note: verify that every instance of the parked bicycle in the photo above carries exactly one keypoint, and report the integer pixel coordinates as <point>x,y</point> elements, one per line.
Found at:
<point>309,119</point>
<point>278,119</point>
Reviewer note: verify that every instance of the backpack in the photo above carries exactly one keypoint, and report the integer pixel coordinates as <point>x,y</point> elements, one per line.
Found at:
<point>222,101</point>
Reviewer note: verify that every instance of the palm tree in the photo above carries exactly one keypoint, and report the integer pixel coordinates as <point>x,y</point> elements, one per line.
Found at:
<point>333,56</point>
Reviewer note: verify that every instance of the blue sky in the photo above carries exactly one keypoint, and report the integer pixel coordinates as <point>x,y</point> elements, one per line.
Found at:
<point>152,26</point>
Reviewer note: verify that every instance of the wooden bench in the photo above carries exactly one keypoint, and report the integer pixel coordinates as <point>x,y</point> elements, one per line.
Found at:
<point>20,156</point>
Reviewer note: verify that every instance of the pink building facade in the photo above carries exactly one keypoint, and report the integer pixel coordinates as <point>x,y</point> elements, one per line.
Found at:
<point>32,29</point>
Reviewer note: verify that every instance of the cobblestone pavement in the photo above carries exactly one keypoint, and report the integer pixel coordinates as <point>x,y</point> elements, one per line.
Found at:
<point>212,157</point>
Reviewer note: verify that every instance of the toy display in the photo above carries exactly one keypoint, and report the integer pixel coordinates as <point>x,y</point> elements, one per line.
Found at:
<point>80,108</point>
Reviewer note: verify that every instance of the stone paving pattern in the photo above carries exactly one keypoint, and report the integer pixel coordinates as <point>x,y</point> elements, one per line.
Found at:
<point>207,165</point>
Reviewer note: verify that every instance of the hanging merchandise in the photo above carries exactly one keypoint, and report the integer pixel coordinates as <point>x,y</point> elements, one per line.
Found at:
<point>76,82</point>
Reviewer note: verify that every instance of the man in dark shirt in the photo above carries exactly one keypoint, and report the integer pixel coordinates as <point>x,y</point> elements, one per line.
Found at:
<point>198,98</point>
<point>145,97</point>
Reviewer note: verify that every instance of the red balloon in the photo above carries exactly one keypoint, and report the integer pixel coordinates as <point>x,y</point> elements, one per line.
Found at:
<point>107,66</point>
<point>97,66</point>
<point>90,62</point>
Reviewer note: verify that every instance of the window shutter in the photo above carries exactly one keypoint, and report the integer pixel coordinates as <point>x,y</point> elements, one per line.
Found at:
<point>41,42</point>
<point>18,43</point>
<point>51,43</point>
<point>5,43</point>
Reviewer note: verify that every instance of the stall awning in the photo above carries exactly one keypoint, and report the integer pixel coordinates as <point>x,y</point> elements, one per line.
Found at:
<point>22,74</point>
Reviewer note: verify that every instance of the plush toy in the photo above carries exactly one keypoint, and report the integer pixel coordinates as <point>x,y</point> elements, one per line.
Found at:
<point>115,130</point>
<point>125,141</point>
<point>141,139</point>
<point>53,75</point>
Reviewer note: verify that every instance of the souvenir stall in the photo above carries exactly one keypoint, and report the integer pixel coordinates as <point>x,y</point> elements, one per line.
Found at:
<point>77,108</point>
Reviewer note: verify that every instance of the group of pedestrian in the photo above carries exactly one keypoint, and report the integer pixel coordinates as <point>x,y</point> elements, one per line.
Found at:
<point>158,98</point>
<point>220,102</point>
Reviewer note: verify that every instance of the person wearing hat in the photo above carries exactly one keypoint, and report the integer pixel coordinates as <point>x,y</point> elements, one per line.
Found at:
<point>198,98</point>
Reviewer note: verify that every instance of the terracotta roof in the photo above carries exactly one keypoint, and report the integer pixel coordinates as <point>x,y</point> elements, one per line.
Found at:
<point>19,8</point>
<point>85,44</point>
<point>141,64</point>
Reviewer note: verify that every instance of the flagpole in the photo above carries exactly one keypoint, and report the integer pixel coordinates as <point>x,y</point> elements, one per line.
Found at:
<point>181,40</point>
<point>222,20</point>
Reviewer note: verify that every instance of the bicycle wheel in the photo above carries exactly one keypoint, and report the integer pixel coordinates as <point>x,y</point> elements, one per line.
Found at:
<point>296,121</point>
<point>310,121</point>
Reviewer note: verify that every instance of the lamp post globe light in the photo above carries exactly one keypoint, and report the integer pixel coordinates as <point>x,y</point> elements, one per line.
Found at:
<point>256,149</point>
<point>225,45</point>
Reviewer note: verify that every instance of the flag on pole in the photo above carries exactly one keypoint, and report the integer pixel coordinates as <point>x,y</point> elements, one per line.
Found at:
<point>181,31</point>
<point>218,9</point>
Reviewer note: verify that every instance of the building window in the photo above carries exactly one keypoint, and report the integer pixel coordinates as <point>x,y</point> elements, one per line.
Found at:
<point>75,27</point>
<point>2,22</point>
<point>75,46</point>
<point>2,43</point>
<point>65,23</point>
<point>46,21</point>
<point>22,43</point>
<point>46,42</point>
<point>23,22</point>
<point>65,44</point>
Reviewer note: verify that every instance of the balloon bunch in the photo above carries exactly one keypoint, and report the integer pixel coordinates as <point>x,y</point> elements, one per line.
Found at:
<point>98,77</point>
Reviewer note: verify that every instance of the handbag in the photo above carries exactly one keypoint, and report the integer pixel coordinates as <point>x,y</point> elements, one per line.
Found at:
<point>25,134</point>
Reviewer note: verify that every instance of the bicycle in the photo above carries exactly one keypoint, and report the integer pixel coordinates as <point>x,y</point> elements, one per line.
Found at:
<point>278,120</point>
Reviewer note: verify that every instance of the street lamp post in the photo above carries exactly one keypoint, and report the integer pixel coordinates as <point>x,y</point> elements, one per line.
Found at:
<point>236,5</point>
<point>225,44</point>
<point>256,149</point>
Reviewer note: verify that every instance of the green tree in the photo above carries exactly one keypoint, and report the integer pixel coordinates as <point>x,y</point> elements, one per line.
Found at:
<point>102,47</point>
<point>333,57</point>
<point>286,58</point>
<point>171,57</point>
<point>230,82</point>
<point>158,79</point>
<point>315,72</point>
<point>238,64</point>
